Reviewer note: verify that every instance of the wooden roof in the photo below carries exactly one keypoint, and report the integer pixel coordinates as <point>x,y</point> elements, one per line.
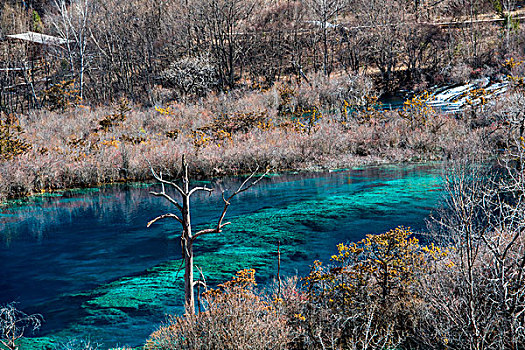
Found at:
<point>38,38</point>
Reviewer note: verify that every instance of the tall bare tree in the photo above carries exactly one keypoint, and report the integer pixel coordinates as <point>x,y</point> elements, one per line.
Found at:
<point>324,11</point>
<point>384,25</point>
<point>72,24</point>
<point>223,28</point>
<point>184,218</point>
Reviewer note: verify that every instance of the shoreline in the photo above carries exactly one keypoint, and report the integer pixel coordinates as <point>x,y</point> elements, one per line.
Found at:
<point>226,136</point>
<point>13,202</point>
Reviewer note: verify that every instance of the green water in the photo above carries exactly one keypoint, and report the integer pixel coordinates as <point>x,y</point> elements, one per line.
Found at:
<point>87,262</point>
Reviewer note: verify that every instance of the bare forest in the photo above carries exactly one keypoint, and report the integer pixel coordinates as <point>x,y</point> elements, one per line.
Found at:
<point>157,51</point>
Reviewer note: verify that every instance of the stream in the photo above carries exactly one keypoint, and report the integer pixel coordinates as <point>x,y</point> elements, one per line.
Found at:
<point>450,99</point>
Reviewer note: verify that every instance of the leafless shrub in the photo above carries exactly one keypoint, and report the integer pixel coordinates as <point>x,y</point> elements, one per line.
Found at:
<point>13,324</point>
<point>330,94</point>
<point>236,317</point>
<point>510,110</point>
<point>479,300</point>
<point>191,75</point>
<point>78,344</point>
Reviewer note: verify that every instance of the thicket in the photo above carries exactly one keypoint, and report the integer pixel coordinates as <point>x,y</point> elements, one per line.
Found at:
<point>285,127</point>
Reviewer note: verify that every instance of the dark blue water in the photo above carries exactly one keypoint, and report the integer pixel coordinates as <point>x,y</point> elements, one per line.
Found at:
<point>87,262</point>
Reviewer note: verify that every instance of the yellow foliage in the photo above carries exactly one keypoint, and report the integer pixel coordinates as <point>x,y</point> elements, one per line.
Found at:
<point>512,63</point>
<point>379,265</point>
<point>62,95</point>
<point>477,95</point>
<point>11,142</point>
<point>220,131</point>
<point>300,317</point>
<point>235,317</point>
<point>417,111</point>
<point>242,282</point>
<point>111,143</point>
<point>516,82</point>
<point>164,111</point>
<point>200,140</point>
<point>365,112</point>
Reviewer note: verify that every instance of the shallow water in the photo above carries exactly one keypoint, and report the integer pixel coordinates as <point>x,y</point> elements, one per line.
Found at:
<point>87,262</point>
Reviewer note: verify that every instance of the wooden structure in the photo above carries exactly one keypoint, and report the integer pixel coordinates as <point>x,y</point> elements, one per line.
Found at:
<point>24,70</point>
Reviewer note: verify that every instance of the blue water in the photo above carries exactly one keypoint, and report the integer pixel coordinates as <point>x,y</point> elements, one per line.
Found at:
<point>86,261</point>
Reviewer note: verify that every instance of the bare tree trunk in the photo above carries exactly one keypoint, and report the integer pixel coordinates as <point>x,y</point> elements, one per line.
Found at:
<point>71,24</point>
<point>188,279</point>
<point>187,238</point>
<point>187,243</point>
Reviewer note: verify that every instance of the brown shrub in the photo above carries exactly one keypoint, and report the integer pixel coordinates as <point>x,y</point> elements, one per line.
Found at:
<point>236,317</point>
<point>366,298</point>
<point>226,134</point>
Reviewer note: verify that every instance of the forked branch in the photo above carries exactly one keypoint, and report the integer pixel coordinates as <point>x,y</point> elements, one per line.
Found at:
<point>206,189</point>
<point>163,194</point>
<point>165,182</point>
<point>246,185</point>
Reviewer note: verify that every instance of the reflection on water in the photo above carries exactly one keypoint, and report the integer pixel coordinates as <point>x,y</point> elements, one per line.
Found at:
<point>86,261</point>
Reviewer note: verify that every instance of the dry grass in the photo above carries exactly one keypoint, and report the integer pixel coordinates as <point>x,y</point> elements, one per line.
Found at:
<point>90,146</point>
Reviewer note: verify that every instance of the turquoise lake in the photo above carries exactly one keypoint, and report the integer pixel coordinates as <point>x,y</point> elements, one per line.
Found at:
<point>86,261</point>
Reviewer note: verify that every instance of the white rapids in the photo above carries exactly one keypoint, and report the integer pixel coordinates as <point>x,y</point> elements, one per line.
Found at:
<point>454,98</point>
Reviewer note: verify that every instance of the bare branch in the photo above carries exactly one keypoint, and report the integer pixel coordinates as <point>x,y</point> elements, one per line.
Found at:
<point>166,196</point>
<point>200,283</point>
<point>180,267</point>
<point>206,189</point>
<point>161,180</point>
<point>13,323</point>
<point>169,215</point>
<point>243,187</point>
<point>203,282</point>
<point>210,230</point>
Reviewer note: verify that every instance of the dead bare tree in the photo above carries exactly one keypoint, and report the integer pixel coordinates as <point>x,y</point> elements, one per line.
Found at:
<point>184,218</point>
